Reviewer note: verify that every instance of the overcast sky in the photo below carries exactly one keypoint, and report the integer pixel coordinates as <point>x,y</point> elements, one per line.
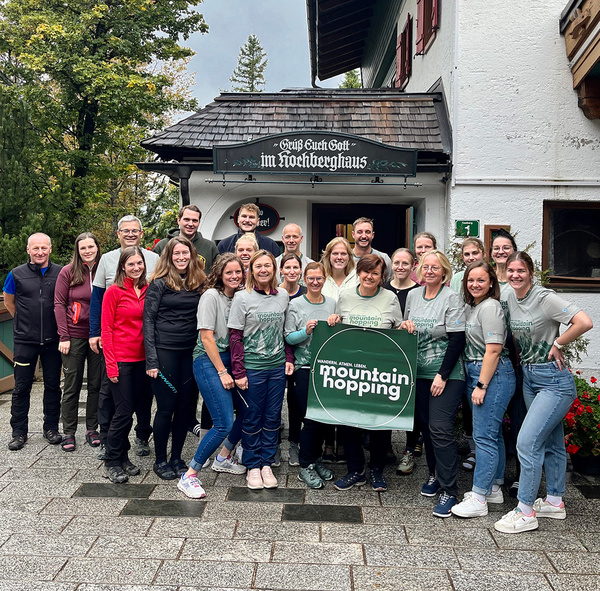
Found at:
<point>281,28</point>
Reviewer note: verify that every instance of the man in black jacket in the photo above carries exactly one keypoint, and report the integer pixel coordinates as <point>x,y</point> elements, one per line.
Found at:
<point>29,297</point>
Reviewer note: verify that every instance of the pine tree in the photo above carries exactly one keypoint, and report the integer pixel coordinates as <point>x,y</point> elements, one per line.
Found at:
<point>351,80</point>
<point>249,72</point>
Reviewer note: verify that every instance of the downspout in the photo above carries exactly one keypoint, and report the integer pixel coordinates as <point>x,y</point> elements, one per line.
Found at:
<point>184,173</point>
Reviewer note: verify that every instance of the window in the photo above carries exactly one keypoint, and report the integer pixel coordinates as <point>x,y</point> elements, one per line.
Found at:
<point>427,23</point>
<point>571,243</point>
<point>404,55</point>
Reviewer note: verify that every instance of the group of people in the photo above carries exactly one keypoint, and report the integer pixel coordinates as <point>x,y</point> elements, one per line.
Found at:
<point>234,322</point>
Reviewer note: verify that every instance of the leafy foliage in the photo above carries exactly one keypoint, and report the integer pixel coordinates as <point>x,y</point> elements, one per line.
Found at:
<point>582,422</point>
<point>249,74</point>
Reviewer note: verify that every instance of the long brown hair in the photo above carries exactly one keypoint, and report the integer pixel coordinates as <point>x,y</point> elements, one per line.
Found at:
<point>194,275</point>
<point>493,292</point>
<point>126,254</point>
<point>78,272</point>
<point>215,277</point>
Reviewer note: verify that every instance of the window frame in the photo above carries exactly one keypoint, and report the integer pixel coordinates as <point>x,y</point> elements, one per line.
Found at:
<point>562,282</point>
<point>404,55</point>
<point>428,12</point>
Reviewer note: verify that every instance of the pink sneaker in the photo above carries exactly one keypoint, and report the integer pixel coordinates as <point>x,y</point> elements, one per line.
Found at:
<point>268,478</point>
<point>254,479</point>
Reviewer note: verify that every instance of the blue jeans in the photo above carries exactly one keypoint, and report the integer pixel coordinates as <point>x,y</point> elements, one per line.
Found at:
<point>220,403</point>
<point>263,416</point>
<point>548,394</point>
<point>487,423</point>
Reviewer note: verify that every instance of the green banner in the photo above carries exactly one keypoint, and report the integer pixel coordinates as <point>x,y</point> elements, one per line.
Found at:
<point>362,377</point>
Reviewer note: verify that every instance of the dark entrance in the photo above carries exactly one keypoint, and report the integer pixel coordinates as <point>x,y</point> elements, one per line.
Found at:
<point>393,224</point>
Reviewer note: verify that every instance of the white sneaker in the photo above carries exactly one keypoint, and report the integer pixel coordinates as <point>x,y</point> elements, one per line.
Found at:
<point>254,479</point>
<point>229,465</point>
<point>268,478</point>
<point>191,487</point>
<point>516,522</point>
<point>206,463</point>
<point>470,507</point>
<point>545,509</point>
<point>239,450</point>
<point>495,498</point>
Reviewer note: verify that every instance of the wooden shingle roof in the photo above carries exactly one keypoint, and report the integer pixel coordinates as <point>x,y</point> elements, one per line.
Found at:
<point>385,115</point>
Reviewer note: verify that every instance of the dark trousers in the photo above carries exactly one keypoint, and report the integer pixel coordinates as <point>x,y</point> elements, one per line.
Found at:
<point>352,438</point>
<point>312,433</point>
<point>25,359</point>
<point>295,412</point>
<point>172,403</point>
<point>106,409</point>
<point>73,367</point>
<point>127,394</point>
<point>437,415</point>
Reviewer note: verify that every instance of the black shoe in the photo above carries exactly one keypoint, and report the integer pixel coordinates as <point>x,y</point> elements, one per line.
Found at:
<point>130,469</point>
<point>53,437</point>
<point>164,471</point>
<point>115,474</point>
<point>178,466</point>
<point>17,442</point>
<point>143,447</point>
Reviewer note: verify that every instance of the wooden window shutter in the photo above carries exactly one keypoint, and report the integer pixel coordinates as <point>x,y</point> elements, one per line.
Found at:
<point>399,59</point>
<point>435,8</point>
<point>408,47</point>
<point>420,41</point>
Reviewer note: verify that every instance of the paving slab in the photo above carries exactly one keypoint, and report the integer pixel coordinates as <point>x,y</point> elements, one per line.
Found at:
<point>303,577</point>
<point>539,540</point>
<point>42,488</point>
<point>56,475</point>
<point>363,533</point>
<point>114,571</point>
<point>191,508</point>
<point>84,506</point>
<point>40,524</point>
<point>453,535</point>
<point>410,557</point>
<point>228,550</point>
<point>339,513</point>
<point>502,560</point>
<point>585,563</point>
<point>167,548</point>
<point>277,495</point>
<point>368,578</point>
<point>477,581</point>
<point>287,530</point>
<point>121,491</point>
<point>244,511</point>
<point>35,586</point>
<point>330,496</point>
<point>170,492</point>
<point>30,569</point>
<point>318,553</point>
<point>107,526</point>
<point>207,574</point>
<point>40,545</point>
<point>573,582</point>
<point>191,528</point>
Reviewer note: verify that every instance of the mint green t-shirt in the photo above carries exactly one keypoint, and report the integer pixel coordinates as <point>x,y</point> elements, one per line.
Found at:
<point>381,310</point>
<point>213,313</point>
<point>299,313</point>
<point>484,324</point>
<point>261,317</point>
<point>535,321</point>
<point>433,320</point>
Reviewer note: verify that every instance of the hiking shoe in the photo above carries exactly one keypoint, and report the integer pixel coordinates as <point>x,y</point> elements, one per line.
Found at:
<point>470,507</point>
<point>17,442</point>
<point>143,447</point>
<point>407,463</point>
<point>340,455</point>
<point>545,509</point>
<point>516,522</point>
<point>197,430</point>
<point>254,479</point>
<point>191,487</point>
<point>350,480</point>
<point>495,497</point>
<point>129,468</point>
<point>268,478</point>
<point>294,454</point>
<point>179,466</point>
<point>418,451</point>
<point>228,465</point>
<point>164,471</point>
<point>310,477</point>
<point>378,482</point>
<point>277,459</point>
<point>323,471</point>
<point>115,474</point>
<point>444,505</point>
<point>101,451</point>
<point>52,436</point>
<point>430,488</point>
<point>468,463</point>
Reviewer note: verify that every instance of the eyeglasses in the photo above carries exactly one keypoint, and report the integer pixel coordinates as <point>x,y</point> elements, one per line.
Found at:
<point>502,248</point>
<point>132,232</point>
<point>433,268</point>
<point>315,279</point>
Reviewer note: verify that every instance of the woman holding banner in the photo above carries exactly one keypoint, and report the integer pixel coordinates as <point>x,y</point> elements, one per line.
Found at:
<point>436,312</point>
<point>259,360</point>
<point>490,385</point>
<point>302,317</point>
<point>367,305</point>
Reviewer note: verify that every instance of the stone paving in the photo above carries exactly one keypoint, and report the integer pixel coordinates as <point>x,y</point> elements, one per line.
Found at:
<point>64,527</point>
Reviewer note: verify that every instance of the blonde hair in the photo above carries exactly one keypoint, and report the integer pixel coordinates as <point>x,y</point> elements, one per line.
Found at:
<point>250,280</point>
<point>444,263</point>
<point>247,237</point>
<point>326,256</point>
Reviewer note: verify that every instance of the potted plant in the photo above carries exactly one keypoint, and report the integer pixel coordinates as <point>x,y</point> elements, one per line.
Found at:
<point>582,426</point>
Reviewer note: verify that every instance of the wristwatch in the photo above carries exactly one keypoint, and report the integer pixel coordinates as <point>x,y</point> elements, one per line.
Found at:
<point>481,385</point>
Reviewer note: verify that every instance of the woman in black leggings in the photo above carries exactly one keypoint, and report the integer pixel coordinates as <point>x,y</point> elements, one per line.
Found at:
<point>170,335</point>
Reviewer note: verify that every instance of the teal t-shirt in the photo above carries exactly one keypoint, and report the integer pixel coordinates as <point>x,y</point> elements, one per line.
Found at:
<point>381,310</point>
<point>484,324</point>
<point>213,313</point>
<point>535,321</point>
<point>433,320</point>
<point>299,313</point>
<point>261,317</point>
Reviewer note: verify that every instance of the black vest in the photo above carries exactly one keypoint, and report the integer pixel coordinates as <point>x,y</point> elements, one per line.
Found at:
<point>34,304</point>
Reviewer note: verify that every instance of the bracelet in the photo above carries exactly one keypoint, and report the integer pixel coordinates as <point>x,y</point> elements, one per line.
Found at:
<point>559,347</point>
<point>221,373</point>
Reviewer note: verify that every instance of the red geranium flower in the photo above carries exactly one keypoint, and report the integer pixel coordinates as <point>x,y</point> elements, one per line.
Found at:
<point>572,448</point>
<point>589,409</point>
<point>593,380</point>
<point>580,410</point>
